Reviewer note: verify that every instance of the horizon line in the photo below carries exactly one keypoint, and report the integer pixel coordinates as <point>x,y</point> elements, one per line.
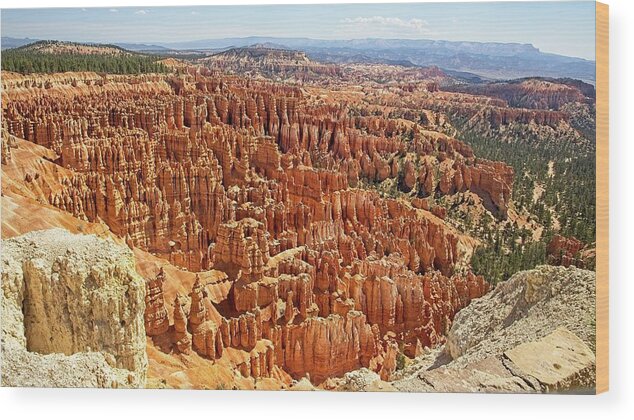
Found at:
<point>162,44</point>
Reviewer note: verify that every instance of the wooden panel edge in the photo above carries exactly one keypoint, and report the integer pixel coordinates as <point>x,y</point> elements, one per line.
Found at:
<point>602,203</point>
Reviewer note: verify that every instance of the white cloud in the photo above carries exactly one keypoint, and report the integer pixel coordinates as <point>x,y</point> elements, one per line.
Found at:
<point>415,25</point>
<point>141,12</point>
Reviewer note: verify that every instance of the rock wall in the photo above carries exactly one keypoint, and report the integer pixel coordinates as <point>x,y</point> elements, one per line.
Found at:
<point>71,301</point>
<point>530,302</point>
<point>534,93</point>
<point>570,251</point>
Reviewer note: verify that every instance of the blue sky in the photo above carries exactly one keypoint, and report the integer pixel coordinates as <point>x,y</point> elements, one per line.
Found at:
<point>559,27</point>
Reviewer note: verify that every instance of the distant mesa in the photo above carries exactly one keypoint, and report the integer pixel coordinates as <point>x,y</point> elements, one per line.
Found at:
<point>487,60</point>
<point>494,60</point>
<point>61,56</point>
<point>63,47</point>
<point>270,61</point>
<point>534,93</point>
<point>270,51</point>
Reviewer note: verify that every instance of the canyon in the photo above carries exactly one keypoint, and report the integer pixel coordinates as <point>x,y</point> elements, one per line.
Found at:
<point>282,216</point>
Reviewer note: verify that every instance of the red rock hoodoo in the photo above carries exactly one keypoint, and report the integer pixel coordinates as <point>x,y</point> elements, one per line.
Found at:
<point>281,190</point>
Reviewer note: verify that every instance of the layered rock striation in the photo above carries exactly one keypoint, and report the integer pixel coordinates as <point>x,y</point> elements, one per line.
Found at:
<point>534,93</point>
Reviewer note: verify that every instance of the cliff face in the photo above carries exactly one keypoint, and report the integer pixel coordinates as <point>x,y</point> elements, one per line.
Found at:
<point>534,93</point>
<point>71,301</point>
<point>570,251</point>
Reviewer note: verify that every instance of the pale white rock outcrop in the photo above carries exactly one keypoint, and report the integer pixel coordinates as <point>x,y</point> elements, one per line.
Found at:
<point>72,312</point>
<point>528,306</point>
<point>534,332</point>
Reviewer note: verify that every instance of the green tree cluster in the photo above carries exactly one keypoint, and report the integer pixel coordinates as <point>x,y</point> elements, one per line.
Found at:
<point>496,265</point>
<point>25,62</point>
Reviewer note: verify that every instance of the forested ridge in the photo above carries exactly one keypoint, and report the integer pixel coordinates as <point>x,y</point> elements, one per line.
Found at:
<point>563,168</point>
<point>28,59</point>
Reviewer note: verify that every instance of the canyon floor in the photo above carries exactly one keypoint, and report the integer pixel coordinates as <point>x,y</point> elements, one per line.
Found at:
<point>259,220</point>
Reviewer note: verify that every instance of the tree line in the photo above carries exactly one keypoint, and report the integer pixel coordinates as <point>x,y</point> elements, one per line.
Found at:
<point>27,62</point>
